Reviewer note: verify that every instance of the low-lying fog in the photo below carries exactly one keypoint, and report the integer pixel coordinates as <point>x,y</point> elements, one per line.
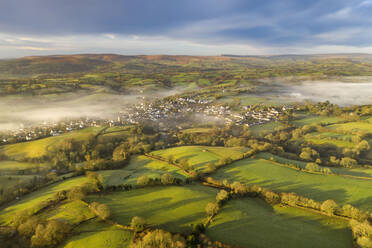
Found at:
<point>341,93</point>
<point>17,111</point>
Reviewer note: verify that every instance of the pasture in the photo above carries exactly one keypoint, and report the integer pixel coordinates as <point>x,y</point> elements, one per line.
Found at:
<point>308,120</point>
<point>14,166</point>
<point>9,181</point>
<point>199,156</point>
<point>96,233</point>
<point>39,148</point>
<point>173,208</point>
<point>72,212</point>
<point>353,127</point>
<point>32,202</point>
<point>318,187</point>
<point>140,166</point>
<point>357,172</point>
<point>251,222</point>
<point>266,128</point>
<point>339,140</point>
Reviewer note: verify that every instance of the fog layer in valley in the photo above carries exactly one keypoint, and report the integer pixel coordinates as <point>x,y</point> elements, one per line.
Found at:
<point>19,111</point>
<point>341,93</point>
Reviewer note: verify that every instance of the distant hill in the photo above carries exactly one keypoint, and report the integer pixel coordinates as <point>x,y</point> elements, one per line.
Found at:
<point>64,64</point>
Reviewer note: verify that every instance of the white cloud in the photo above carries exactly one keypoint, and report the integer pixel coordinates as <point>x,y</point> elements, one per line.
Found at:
<point>110,36</point>
<point>15,46</point>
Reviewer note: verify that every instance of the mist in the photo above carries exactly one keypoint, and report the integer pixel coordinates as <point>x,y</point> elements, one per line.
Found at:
<point>24,111</point>
<point>341,93</point>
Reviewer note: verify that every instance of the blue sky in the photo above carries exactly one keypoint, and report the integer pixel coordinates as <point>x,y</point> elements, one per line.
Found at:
<point>193,27</point>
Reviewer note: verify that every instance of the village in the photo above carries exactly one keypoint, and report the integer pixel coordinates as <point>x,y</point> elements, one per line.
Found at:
<point>176,109</point>
<point>167,113</point>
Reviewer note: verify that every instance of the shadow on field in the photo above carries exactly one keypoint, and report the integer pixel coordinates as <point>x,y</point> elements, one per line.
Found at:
<point>253,222</point>
<point>238,172</point>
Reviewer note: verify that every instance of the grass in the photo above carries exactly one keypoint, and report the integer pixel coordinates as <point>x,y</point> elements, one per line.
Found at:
<point>9,181</point>
<point>337,139</point>
<point>317,120</point>
<point>173,208</point>
<point>199,156</point>
<point>39,148</point>
<point>198,130</point>
<point>353,126</point>
<point>139,166</point>
<point>11,167</point>
<point>14,165</point>
<point>318,187</point>
<point>31,202</point>
<point>265,128</point>
<point>253,223</point>
<point>72,212</point>
<point>99,234</point>
<point>358,172</point>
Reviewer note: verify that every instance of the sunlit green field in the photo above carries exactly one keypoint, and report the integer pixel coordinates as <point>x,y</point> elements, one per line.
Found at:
<point>98,234</point>
<point>198,156</point>
<point>354,126</point>
<point>9,181</point>
<point>265,128</point>
<point>38,148</point>
<point>357,172</point>
<point>72,212</point>
<point>253,223</point>
<point>337,139</point>
<point>317,120</point>
<point>318,187</point>
<point>140,166</point>
<point>173,208</point>
<point>31,202</point>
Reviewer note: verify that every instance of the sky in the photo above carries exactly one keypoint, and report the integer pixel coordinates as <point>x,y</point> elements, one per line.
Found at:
<point>184,27</point>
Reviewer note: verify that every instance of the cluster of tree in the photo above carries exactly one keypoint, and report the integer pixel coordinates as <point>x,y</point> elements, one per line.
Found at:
<point>207,242</point>
<point>34,231</point>
<point>138,224</point>
<point>212,208</point>
<point>102,210</point>
<point>314,167</point>
<point>165,179</point>
<point>362,232</point>
<point>159,238</point>
<point>22,187</point>
<point>229,135</point>
<point>321,108</point>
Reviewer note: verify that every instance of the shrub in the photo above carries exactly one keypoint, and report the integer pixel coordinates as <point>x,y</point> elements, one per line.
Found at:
<point>212,208</point>
<point>330,207</point>
<point>137,224</point>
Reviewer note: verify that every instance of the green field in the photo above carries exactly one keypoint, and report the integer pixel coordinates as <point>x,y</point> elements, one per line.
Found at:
<point>72,212</point>
<point>357,172</point>
<point>203,130</point>
<point>318,187</point>
<point>317,120</point>
<point>339,140</point>
<point>353,126</point>
<point>199,156</point>
<point>173,208</point>
<point>266,128</point>
<point>140,166</point>
<point>253,223</point>
<point>31,202</point>
<point>9,181</point>
<point>38,148</point>
<point>13,166</point>
<point>98,234</point>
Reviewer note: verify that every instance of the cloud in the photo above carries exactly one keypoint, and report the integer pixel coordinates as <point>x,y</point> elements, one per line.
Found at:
<point>147,26</point>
